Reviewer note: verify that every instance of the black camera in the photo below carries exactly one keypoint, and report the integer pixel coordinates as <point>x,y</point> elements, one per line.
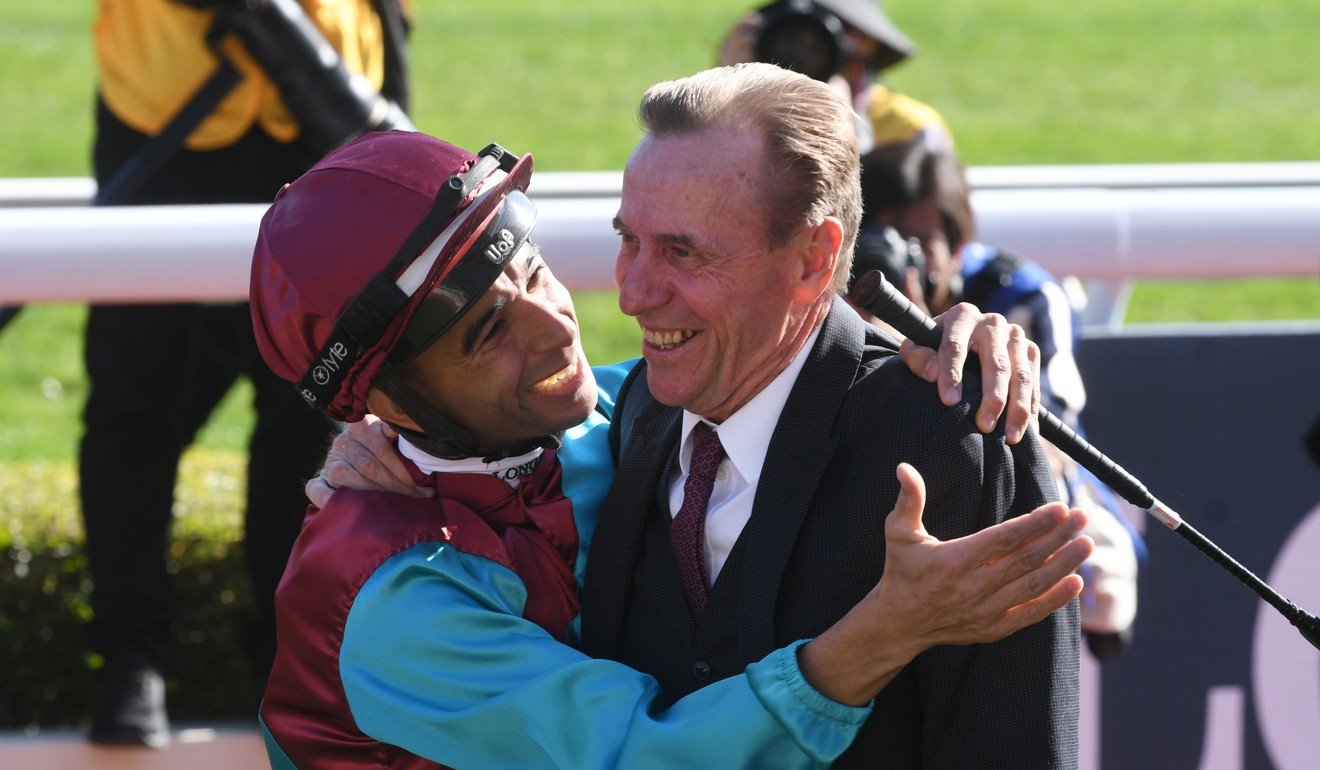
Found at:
<point>802,36</point>
<point>886,250</point>
<point>330,104</point>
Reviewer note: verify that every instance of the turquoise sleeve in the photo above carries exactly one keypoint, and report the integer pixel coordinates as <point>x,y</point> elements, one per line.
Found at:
<point>588,468</point>
<point>437,659</point>
<point>609,379</point>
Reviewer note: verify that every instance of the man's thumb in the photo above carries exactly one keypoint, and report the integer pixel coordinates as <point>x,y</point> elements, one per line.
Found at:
<point>905,519</point>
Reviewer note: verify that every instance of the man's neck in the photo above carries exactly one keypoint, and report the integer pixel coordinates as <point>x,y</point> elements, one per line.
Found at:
<point>785,352</point>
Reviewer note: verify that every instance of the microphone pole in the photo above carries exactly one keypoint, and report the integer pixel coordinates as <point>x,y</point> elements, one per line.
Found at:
<point>875,294</point>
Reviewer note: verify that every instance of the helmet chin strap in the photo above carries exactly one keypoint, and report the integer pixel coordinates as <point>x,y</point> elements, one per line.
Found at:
<point>442,437</point>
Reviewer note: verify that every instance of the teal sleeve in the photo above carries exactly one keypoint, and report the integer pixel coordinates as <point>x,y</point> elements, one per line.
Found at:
<point>278,759</point>
<point>588,468</point>
<point>609,379</point>
<point>437,659</point>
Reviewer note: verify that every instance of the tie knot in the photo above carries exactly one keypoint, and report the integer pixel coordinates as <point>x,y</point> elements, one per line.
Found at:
<point>707,451</point>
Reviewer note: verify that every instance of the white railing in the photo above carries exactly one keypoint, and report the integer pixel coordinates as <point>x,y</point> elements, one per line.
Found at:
<point>78,191</point>
<point>1121,223</point>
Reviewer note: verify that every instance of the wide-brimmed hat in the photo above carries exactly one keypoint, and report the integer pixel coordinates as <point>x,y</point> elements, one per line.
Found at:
<point>870,19</point>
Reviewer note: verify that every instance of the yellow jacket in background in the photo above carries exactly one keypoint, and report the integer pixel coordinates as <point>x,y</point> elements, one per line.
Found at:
<point>897,117</point>
<point>151,57</point>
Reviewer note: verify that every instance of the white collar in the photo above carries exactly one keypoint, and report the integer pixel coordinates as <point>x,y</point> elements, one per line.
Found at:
<point>745,436</point>
<point>509,469</point>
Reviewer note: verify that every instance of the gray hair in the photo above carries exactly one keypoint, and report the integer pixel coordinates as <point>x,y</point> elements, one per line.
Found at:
<point>810,134</point>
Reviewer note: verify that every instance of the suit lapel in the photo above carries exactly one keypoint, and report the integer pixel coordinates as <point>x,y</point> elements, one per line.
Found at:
<point>800,450</point>
<point>617,541</point>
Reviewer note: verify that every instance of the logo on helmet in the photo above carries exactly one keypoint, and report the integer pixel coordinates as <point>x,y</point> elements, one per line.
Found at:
<point>331,362</point>
<point>498,251</point>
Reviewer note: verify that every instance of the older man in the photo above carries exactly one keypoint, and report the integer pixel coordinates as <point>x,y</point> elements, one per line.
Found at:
<point>768,400</point>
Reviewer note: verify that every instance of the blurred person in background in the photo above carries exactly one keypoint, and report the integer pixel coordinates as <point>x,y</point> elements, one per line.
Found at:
<point>848,44</point>
<point>157,371</point>
<point>919,230</point>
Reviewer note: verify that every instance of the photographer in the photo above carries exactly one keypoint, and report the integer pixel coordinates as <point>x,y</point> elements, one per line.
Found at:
<point>918,229</point>
<point>847,43</point>
<point>157,371</point>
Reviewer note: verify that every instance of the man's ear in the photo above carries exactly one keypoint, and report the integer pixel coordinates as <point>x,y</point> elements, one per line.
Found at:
<point>384,407</point>
<point>820,255</point>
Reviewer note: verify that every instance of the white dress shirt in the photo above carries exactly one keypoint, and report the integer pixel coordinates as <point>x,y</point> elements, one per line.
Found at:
<point>746,438</point>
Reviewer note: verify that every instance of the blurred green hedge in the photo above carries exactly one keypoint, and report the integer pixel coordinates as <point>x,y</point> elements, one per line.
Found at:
<point>49,676</point>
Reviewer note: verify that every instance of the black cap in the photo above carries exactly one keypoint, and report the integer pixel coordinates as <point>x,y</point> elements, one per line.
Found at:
<point>867,17</point>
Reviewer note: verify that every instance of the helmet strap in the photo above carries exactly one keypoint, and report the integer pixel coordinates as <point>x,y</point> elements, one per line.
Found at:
<point>441,436</point>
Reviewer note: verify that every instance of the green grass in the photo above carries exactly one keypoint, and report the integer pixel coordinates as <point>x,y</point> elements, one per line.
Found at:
<point>1187,301</point>
<point>1118,81</point>
<point>1019,81</point>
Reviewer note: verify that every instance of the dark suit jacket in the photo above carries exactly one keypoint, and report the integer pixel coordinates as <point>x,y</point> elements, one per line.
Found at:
<point>814,546</point>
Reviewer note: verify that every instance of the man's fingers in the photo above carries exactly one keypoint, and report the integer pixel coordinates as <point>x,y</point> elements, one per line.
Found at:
<point>368,446</point>
<point>1033,353</point>
<point>990,341</point>
<point>958,323</point>
<point>386,429</point>
<point>339,472</point>
<point>921,361</point>
<point>377,437</point>
<point>1021,384</point>
<point>1031,584</point>
<point>318,491</point>
<point>903,524</point>
<point>1036,610</point>
<point>1032,596</point>
<point>1008,536</point>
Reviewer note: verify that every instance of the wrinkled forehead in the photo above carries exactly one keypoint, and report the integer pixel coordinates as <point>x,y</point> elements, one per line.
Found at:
<point>674,178</point>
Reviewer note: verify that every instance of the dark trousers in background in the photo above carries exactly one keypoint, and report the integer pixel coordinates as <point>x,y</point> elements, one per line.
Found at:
<point>156,372</point>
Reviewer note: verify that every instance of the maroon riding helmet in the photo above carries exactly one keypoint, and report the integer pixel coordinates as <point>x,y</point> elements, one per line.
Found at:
<point>371,256</point>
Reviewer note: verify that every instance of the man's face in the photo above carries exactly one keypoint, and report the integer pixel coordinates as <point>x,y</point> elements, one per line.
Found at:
<point>922,220</point>
<point>512,370</point>
<point>695,269</point>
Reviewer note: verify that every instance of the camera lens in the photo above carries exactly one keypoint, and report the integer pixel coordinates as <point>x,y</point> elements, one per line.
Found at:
<point>803,37</point>
<point>802,44</point>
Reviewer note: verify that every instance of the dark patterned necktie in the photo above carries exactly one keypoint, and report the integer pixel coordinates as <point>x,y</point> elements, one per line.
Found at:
<point>687,532</point>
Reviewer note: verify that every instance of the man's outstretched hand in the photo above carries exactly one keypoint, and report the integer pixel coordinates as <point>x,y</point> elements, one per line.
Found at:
<point>975,589</point>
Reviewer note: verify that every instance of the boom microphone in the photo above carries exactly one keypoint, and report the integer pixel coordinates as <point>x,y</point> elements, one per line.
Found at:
<point>876,295</point>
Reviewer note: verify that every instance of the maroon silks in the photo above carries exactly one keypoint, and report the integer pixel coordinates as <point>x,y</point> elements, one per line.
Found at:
<point>529,530</point>
<point>536,530</point>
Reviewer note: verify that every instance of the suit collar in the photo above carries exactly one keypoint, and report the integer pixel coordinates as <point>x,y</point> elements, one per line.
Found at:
<point>800,451</point>
<point>616,544</point>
